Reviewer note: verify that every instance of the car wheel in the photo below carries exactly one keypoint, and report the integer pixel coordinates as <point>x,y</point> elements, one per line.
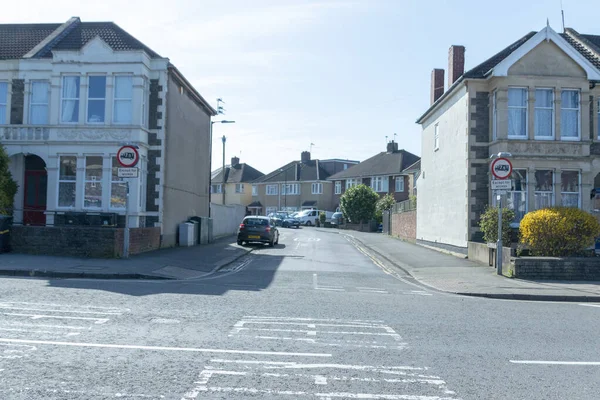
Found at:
<point>277,241</point>
<point>271,244</point>
<point>308,223</point>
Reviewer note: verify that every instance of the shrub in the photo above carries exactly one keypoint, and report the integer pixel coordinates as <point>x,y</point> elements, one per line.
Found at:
<point>322,217</point>
<point>8,187</point>
<point>558,231</point>
<point>488,222</point>
<point>358,204</point>
<point>383,204</point>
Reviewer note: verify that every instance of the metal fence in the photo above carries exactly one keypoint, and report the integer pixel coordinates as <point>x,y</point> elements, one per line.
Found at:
<point>404,206</point>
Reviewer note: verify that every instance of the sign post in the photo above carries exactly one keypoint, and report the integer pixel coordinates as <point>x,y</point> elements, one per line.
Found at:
<point>501,170</point>
<point>128,157</point>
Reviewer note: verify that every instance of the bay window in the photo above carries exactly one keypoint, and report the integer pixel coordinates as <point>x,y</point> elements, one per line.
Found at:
<point>544,189</point>
<point>70,99</point>
<point>399,184</point>
<point>569,115</point>
<point>123,96</point>
<point>38,103</point>
<point>317,188</point>
<point>351,182</point>
<point>66,181</point>
<point>3,101</point>
<point>92,191</point>
<point>338,187</point>
<point>570,188</point>
<point>517,113</point>
<point>380,184</point>
<point>96,99</point>
<point>517,196</point>
<point>544,114</point>
<point>118,187</point>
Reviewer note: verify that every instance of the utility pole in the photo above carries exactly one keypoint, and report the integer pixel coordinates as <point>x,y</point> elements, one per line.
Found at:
<point>224,139</point>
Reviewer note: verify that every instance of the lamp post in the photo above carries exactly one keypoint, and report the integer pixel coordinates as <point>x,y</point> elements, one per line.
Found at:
<point>499,199</point>
<point>210,158</point>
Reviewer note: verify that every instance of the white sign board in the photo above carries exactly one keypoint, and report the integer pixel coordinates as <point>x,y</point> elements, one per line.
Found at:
<point>504,184</point>
<point>127,172</point>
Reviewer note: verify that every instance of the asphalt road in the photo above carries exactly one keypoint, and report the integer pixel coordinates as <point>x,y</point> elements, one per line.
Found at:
<point>313,318</point>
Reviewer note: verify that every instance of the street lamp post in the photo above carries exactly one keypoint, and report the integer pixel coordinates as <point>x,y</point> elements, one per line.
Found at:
<point>210,158</point>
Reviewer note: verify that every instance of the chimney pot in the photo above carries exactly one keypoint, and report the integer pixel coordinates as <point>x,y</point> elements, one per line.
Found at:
<point>305,156</point>
<point>235,161</point>
<point>392,147</point>
<point>456,63</point>
<point>437,84</point>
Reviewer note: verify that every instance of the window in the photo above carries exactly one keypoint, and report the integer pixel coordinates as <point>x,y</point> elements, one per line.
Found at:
<point>291,189</point>
<point>517,196</point>
<point>239,188</point>
<point>272,190</point>
<point>351,182</point>
<point>345,166</point>
<point>92,193</point>
<point>38,103</point>
<point>544,189</point>
<point>123,98</point>
<point>145,108</point>
<point>569,115</point>
<point>380,184</point>
<point>96,99</point>
<point>570,188</point>
<point>399,184</point>
<point>494,115</point>
<point>118,187</point>
<point>544,113</point>
<point>271,210</point>
<point>216,188</point>
<point>517,113</point>
<point>436,137</point>
<point>317,188</point>
<point>70,99</point>
<point>254,190</point>
<point>66,181</point>
<point>338,187</point>
<point>3,100</point>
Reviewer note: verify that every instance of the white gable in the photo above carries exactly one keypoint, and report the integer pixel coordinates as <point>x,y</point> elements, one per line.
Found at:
<point>547,34</point>
<point>96,47</point>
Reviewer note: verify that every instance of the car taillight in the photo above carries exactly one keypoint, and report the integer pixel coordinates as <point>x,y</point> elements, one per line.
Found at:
<point>242,226</point>
<point>268,229</point>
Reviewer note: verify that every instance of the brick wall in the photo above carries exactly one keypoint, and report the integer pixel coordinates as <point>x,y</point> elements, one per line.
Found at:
<point>404,225</point>
<point>551,268</point>
<point>81,241</point>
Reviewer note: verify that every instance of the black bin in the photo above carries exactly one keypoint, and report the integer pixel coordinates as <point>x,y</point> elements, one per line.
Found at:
<point>5,228</point>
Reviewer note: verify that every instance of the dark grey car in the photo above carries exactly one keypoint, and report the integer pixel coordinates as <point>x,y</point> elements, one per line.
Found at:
<point>258,229</point>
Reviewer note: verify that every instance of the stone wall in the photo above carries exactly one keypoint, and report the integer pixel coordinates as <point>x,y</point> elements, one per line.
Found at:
<point>404,225</point>
<point>554,268</point>
<point>80,241</point>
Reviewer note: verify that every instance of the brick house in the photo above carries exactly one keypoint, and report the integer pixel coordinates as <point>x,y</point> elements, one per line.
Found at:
<point>235,186</point>
<point>390,172</point>
<point>70,95</point>
<point>298,185</point>
<point>537,99</point>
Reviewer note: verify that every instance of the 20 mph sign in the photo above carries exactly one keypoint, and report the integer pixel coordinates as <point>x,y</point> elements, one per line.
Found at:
<point>501,168</point>
<point>128,156</point>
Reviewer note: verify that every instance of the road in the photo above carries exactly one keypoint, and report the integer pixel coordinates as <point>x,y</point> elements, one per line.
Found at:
<point>313,318</point>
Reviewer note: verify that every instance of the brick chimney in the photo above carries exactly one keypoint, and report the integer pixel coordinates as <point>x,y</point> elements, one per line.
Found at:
<point>437,84</point>
<point>305,156</point>
<point>392,147</point>
<point>456,63</point>
<point>235,161</point>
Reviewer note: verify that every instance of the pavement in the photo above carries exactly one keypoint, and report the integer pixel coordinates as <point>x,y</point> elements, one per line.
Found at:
<point>452,274</point>
<point>313,318</point>
<point>173,263</point>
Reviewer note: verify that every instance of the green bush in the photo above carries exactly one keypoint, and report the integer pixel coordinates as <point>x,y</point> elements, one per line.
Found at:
<point>383,204</point>
<point>488,222</point>
<point>558,231</point>
<point>8,187</point>
<point>358,204</point>
<point>322,217</point>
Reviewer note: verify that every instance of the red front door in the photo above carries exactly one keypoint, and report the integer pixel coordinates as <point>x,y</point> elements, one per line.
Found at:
<point>34,205</point>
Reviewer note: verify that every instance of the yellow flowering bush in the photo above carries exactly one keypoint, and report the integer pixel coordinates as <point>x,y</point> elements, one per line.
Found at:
<point>558,231</point>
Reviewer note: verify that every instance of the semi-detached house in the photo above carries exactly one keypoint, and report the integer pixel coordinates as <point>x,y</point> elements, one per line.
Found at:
<point>538,99</point>
<point>70,95</point>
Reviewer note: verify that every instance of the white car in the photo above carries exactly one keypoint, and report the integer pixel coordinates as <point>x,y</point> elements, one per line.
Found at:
<point>311,217</point>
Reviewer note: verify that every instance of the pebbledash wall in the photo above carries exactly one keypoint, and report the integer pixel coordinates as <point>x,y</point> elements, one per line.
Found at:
<point>82,241</point>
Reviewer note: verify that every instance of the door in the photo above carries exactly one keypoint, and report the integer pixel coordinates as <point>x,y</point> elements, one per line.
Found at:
<point>34,205</point>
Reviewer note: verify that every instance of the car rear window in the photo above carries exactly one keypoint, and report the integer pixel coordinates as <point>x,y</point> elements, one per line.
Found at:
<point>256,222</point>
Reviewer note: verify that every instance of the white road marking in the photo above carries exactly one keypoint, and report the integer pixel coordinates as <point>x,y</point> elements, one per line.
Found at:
<point>295,365</point>
<point>328,332</point>
<point>320,380</point>
<point>163,348</point>
<point>47,326</point>
<point>40,316</point>
<point>35,331</point>
<point>312,325</point>
<point>590,305</point>
<point>65,311</point>
<point>107,309</point>
<point>331,289</point>
<point>588,363</point>
<point>398,346</point>
<point>313,319</point>
<point>314,281</point>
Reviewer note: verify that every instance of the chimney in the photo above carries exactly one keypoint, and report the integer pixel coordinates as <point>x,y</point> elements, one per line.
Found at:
<point>305,156</point>
<point>392,147</point>
<point>437,84</point>
<point>235,161</point>
<point>456,63</point>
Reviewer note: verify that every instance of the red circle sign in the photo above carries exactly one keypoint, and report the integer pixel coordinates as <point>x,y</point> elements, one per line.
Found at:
<point>128,156</point>
<point>501,168</point>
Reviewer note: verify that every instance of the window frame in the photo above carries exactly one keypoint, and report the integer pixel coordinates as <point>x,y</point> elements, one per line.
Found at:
<point>59,181</point>
<point>87,103</point>
<point>116,99</point>
<point>76,99</point>
<point>145,103</point>
<point>436,137</point>
<point>319,186</point>
<point>274,189</point>
<point>525,107</point>
<point>99,181</point>
<point>239,186</point>
<point>523,192</point>
<point>31,103</point>
<point>578,109</point>
<point>396,180</point>
<point>351,182</point>
<point>380,180</point>
<point>579,197</point>
<point>338,187</point>
<point>4,115</point>
<point>292,189</point>
<point>552,109</point>
<point>219,188</point>
<point>552,192</point>
<point>113,160</point>
<point>254,190</point>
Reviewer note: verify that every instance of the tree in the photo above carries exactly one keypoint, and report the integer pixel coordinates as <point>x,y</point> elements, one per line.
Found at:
<point>8,187</point>
<point>488,222</point>
<point>358,204</point>
<point>384,204</point>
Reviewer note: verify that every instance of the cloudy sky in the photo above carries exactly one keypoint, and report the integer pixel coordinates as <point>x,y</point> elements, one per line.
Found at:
<point>342,74</point>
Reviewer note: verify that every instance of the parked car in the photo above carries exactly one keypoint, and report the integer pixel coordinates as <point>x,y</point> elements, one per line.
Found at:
<point>311,217</point>
<point>258,229</point>
<point>291,222</point>
<point>337,219</point>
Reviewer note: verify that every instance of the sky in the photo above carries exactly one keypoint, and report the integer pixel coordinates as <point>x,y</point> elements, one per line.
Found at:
<point>339,74</point>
